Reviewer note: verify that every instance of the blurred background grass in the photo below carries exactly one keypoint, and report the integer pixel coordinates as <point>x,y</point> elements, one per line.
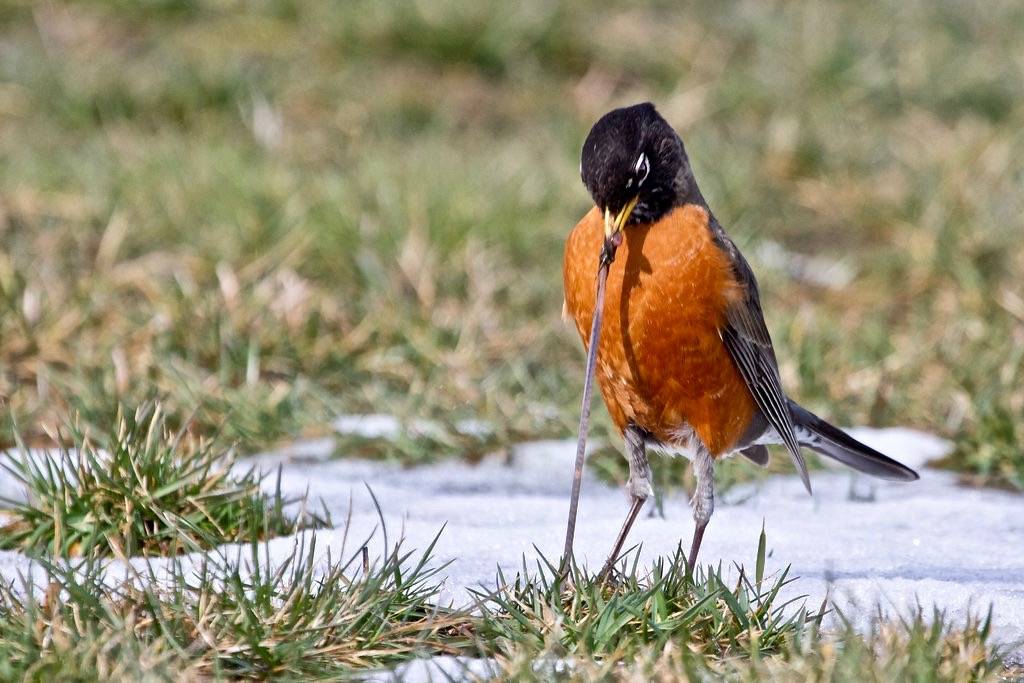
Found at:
<point>268,213</point>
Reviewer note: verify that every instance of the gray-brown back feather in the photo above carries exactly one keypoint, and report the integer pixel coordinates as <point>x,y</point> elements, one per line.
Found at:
<point>749,344</point>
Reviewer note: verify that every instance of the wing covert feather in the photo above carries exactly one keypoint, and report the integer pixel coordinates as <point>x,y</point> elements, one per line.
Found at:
<point>749,344</point>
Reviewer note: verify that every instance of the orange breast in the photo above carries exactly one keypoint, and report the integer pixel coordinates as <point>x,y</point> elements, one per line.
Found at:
<point>661,362</point>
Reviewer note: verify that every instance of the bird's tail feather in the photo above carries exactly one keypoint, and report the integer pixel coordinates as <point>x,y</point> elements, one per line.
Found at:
<point>834,443</point>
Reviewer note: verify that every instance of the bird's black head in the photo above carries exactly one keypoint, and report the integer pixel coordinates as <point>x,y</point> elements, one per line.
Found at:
<point>635,167</point>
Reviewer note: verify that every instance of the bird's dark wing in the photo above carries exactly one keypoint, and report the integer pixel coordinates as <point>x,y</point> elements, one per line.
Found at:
<point>748,342</point>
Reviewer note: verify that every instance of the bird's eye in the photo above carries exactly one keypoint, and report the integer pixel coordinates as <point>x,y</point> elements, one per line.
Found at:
<point>641,168</point>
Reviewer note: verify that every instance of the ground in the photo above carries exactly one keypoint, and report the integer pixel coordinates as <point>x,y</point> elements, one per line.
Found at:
<point>859,544</point>
<point>226,225</point>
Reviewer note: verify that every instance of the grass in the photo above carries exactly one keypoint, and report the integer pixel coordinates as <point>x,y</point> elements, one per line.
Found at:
<point>666,624</point>
<point>142,490</point>
<point>921,647</point>
<point>229,619</point>
<point>417,443</point>
<point>280,214</point>
<point>642,611</point>
<point>304,616</point>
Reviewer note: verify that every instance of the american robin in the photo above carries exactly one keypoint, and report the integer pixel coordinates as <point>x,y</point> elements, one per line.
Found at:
<point>685,362</point>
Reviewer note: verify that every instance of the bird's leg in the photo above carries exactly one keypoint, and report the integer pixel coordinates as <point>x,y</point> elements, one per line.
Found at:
<point>703,501</point>
<point>639,487</point>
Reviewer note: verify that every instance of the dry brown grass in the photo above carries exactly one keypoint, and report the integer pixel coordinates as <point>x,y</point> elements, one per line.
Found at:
<point>346,209</point>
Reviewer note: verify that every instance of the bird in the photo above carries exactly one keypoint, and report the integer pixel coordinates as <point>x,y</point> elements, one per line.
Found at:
<point>685,363</point>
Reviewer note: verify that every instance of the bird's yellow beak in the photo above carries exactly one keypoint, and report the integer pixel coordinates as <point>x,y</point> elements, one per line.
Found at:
<point>614,224</point>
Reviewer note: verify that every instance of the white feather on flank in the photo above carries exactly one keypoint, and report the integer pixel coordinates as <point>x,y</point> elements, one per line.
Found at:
<point>673,450</point>
<point>684,444</point>
<point>685,440</point>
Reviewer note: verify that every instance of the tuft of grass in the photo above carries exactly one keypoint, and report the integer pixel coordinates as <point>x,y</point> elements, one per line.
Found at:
<point>305,616</point>
<point>667,605</point>
<point>918,647</point>
<point>922,647</point>
<point>74,627</point>
<point>142,490</point>
<point>70,635</point>
<point>227,619</point>
<point>667,625</point>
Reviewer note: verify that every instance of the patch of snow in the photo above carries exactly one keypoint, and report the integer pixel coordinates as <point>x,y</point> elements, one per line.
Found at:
<point>376,426</point>
<point>441,668</point>
<point>369,426</point>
